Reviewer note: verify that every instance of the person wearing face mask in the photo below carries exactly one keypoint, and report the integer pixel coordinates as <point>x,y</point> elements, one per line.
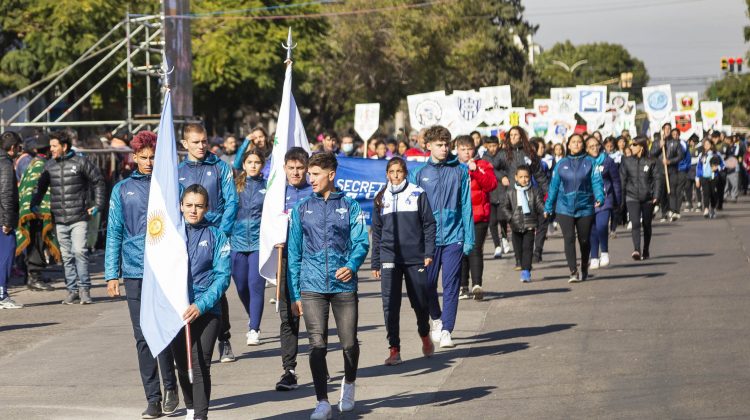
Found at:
<point>610,175</point>
<point>245,241</point>
<point>403,244</point>
<point>347,146</point>
<point>576,189</point>
<point>123,258</point>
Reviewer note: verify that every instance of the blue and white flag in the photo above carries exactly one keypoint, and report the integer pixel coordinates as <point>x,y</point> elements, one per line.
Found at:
<point>290,132</point>
<point>164,296</point>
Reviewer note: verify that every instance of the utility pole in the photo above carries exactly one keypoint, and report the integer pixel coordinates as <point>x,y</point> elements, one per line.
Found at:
<point>179,54</point>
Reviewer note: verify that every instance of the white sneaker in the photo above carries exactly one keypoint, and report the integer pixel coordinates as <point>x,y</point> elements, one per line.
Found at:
<point>630,226</point>
<point>507,248</point>
<point>604,259</point>
<point>437,327</point>
<point>594,264</point>
<point>498,252</point>
<point>190,414</point>
<point>446,342</point>
<point>253,338</point>
<point>346,401</point>
<point>322,411</point>
<point>9,303</point>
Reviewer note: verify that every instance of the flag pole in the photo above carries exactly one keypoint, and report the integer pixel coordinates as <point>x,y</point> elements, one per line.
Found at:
<point>666,171</point>
<point>165,71</point>
<point>279,253</point>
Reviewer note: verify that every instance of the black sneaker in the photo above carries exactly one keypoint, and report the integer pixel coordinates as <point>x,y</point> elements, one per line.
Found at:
<point>71,298</point>
<point>171,401</point>
<point>225,352</point>
<point>153,411</point>
<point>287,382</point>
<point>536,259</point>
<point>645,255</point>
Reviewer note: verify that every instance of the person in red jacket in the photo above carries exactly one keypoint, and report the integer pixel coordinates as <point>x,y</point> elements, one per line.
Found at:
<point>483,181</point>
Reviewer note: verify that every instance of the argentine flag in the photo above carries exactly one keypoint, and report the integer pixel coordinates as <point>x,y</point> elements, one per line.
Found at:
<point>290,132</point>
<point>164,296</point>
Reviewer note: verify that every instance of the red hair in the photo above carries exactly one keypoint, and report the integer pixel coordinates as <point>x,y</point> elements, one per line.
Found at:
<point>143,140</point>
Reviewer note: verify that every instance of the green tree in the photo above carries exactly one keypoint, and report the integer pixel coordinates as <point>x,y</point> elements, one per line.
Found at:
<point>734,93</point>
<point>383,57</point>
<point>604,62</point>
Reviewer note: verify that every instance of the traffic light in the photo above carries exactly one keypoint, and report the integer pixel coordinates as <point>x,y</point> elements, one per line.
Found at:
<point>731,64</point>
<point>739,64</point>
<point>626,80</point>
<point>724,63</point>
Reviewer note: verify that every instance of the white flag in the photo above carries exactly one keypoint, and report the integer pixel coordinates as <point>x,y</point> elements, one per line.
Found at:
<point>164,294</point>
<point>290,132</point>
<point>657,102</point>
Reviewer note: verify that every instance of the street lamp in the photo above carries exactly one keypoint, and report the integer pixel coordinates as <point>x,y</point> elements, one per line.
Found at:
<point>570,69</point>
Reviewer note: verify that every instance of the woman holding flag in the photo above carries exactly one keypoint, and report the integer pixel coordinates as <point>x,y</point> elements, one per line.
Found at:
<point>251,188</point>
<point>208,279</point>
<point>126,240</point>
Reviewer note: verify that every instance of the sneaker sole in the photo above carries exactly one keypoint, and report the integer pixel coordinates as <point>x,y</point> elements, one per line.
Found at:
<point>226,360</point>
<point>253,343</point>
<point>447,346</point>
<point>394,363</point>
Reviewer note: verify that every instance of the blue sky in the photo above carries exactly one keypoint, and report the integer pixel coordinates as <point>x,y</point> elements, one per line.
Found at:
<point>681,41</point>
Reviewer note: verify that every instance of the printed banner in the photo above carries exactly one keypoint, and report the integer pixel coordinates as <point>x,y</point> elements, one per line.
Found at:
<point>591,99</point>
<point>565,98</point>
<point>545,106</point>
<point>496,101</point>
<point>712,112</point>
<point>361,179</point>
<point>561,126</point>
<point>686,101</point>
<point>618,100</point>
<point>657,101</point>
<point>466,109</point>
<point>428,109</point>
<point>366,119</point>
<point>685,122</point>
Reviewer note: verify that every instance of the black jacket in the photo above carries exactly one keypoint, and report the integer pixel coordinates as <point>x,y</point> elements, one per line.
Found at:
<point>403,228</point>
<point>8,192</point>
<point>641,179</point>
<point>501,170</point>
<point>70,178</point>
<point>514,158</point>
<point>674,152</point>
<point>520,222</point>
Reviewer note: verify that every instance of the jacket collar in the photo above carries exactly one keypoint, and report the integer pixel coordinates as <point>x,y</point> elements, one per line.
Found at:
<point>200,225</point>
<point>66,156</point>
<point>210,159</point>
<point>138,175</point>
<point>400,189</point>
<point>451,160</point>
<point>334,195</point>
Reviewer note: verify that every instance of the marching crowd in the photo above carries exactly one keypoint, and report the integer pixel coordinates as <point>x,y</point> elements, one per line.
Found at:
<point>426,221</point>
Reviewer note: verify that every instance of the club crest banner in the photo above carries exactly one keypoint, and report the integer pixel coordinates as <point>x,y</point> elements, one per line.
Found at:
<point>565,98</point>
<point>712,113</point>
<point>657,101</point>
<point>428,109</point>
<point>685,122</point>
<point>686,101</point>
<point>496,101</point>
<point>591,99</point>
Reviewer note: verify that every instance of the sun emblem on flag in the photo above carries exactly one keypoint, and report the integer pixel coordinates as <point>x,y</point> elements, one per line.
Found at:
<point>155,227</point>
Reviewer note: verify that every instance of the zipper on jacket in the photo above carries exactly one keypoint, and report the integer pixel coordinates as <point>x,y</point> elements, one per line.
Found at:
<point>440,212</point>
<point>325,241</point>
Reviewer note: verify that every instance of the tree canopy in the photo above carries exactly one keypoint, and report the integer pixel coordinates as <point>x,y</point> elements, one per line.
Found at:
<point>604,62</point>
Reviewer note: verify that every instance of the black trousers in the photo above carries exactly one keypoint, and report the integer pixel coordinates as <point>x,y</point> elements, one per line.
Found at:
<point>495,214</point>
<point>316,308</point>
<point>675,186</point>
<point>686,188</point>
<point>147,364</point>
<point>289,328</point>
<point>641,210</point>
<point>417,289</point>
<point>540,236</point>
<point>224,334</point>
<point>720,187</point>
<point>573,227</point>
<point>711,192</point>
<point>523,246</point>
<point>474,262</point>
<point>203,332</point>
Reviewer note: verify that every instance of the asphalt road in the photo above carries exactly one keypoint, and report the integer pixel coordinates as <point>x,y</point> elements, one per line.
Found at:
<point>663,338</point>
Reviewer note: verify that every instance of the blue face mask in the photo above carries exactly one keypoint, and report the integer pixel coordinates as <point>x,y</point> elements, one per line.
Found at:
<point>347,147</point>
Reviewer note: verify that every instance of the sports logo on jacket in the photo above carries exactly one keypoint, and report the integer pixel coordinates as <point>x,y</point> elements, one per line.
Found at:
<point>203,243</point>
<point>342,212</point>
<point>73,169</point>
<point>208,173</point>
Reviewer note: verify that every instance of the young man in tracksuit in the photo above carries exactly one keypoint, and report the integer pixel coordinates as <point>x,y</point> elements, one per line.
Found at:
<point>684,179</point>
<point>297,188</point>
<point>328,242</point>
<point>403,244</point>
<point>123,258</point>
<point>447,184</point>
<point>206,169</point>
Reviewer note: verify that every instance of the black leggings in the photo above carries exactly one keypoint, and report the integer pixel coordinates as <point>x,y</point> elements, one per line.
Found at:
<point>495,213</point>
<point>711,193</point>
<point>580,227</point>
<point>474,262</point>
<point>203,332</point>
<point>641,210</point>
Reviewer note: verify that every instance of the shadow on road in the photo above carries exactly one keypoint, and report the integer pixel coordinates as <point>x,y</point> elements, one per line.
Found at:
<point>519,293</point>
<point>25,326</point>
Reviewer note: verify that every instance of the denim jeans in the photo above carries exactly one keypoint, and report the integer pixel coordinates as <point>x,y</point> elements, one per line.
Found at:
<point>315,308</point>
<point>146,362</point>
<point>7,253</point>
<point>72,239</point>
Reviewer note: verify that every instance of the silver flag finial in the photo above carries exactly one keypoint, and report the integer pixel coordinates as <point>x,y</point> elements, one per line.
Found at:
<point>165,69</point>
<point>289,46</point>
